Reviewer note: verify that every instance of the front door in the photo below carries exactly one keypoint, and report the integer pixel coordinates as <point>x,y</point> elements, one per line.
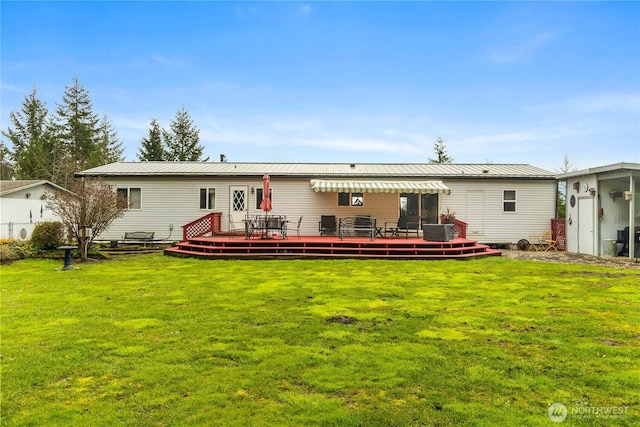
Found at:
<point>238,204</point>
<point>585,226</point>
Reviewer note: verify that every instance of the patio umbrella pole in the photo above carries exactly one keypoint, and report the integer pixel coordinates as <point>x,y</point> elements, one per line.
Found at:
<point>265,204</point>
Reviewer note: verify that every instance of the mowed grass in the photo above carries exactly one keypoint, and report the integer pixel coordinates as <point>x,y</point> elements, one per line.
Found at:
<point>154,340</point>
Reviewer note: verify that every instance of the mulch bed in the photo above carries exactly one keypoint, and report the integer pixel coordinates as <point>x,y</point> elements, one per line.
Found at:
<point>571,258</point>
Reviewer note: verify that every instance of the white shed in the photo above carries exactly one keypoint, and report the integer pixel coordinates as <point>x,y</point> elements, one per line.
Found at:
<point>603,205</point>
<point>501,203</point>
<point>22,207</point>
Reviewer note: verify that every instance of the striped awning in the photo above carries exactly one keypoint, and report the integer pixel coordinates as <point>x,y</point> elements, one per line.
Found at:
<point>377,186</point>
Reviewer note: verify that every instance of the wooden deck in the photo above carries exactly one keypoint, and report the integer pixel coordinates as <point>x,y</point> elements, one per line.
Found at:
<point>328,247</point>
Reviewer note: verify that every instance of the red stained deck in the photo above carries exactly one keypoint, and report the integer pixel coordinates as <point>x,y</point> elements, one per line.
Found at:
<point>328,247</point>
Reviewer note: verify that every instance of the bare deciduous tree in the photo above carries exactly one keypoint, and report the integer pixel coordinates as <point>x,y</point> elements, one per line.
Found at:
<point>92,204</point>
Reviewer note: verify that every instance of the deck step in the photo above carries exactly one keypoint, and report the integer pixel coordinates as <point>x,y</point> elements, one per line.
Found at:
<point>328,247</point>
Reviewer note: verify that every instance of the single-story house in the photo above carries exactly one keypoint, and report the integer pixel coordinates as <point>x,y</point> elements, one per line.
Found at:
<point>501,203</point>
<point>23,206</point>
<point>603,204</point>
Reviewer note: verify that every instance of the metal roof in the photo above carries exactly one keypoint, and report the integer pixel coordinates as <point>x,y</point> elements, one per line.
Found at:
<point>319,170</point>
<point>617,167</point>
<point>11,186</point>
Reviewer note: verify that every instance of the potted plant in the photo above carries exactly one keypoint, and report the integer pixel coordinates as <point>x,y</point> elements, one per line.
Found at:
<point>447,217</point>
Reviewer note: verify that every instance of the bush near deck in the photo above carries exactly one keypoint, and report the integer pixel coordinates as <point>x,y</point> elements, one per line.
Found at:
<point>154,340</point>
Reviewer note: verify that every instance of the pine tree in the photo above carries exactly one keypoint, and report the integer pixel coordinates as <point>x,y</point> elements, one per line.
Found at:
<point>35,148</point>
<point>111,149</point>
<point>152,148</point>
<point>6,164</point>
<point>441,152</point>
<point>561,200</point>
<point>182,139</point>
<point>79,127</point>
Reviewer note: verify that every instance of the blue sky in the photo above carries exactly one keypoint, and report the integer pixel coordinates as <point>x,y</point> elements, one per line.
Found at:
<point>500,82</point>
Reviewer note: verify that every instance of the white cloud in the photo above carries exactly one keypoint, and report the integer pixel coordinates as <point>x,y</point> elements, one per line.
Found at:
<point>629,102</point>
<point>510,141</point>
<point>297,133</point>
<point>306,9</point>
<point>591,103</point>
<point>524,49</point>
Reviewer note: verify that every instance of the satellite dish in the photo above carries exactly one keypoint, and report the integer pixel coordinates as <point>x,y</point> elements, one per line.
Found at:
<point>23,233</point>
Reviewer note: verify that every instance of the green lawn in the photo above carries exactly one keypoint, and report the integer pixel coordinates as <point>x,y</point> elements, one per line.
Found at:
<point>154,340</point>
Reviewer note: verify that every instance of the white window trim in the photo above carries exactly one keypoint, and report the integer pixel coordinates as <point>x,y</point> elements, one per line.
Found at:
<point>215,199</point>
<point>128,189</point>
<point>514,201</point>
<point>350,205</point>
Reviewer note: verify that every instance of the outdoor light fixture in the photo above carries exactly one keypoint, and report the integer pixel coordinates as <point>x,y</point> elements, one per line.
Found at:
<point>253,190</point>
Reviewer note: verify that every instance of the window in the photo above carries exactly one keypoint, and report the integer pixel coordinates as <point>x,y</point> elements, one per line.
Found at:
<point>509,201</point>
<point>129,198</point>
<point>259,193</point>
<point>350,199</point>
<point>207,198</point>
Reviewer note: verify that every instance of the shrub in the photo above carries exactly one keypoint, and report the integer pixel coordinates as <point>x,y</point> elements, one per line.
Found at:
<point>7,254</point>
<point>47,235</point>
<point>11,250</point>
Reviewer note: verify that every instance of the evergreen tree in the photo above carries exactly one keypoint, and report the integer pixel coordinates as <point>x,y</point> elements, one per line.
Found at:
<point>79,127</point>
<point>561,202</point>
<point>182,139</point>
<point>111,149</point>
<point>35,149</point>
<point>441,152</point>
<point>152,148</point>
<point>6,164</point>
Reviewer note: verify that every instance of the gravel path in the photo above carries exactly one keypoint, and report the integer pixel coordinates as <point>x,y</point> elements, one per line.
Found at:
<point>571,258</point>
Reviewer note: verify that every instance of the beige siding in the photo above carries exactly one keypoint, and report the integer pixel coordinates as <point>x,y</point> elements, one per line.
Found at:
<point>176,201</point>
<point>535,207</point>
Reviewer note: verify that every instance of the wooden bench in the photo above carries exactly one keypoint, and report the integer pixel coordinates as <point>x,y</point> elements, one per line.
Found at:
<point>360,225</point>
<point>138,237</point>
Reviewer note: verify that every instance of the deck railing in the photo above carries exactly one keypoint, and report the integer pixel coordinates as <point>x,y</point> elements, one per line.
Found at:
<point>460,227</point>
<point>210,223</point>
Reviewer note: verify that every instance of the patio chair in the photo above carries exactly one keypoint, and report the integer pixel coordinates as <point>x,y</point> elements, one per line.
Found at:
<point>250,227</point>
<point>623,237</point>
<point>233,229</point>
<point>327,224</point>
<point>548,242</point>
<point>406,224</point>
